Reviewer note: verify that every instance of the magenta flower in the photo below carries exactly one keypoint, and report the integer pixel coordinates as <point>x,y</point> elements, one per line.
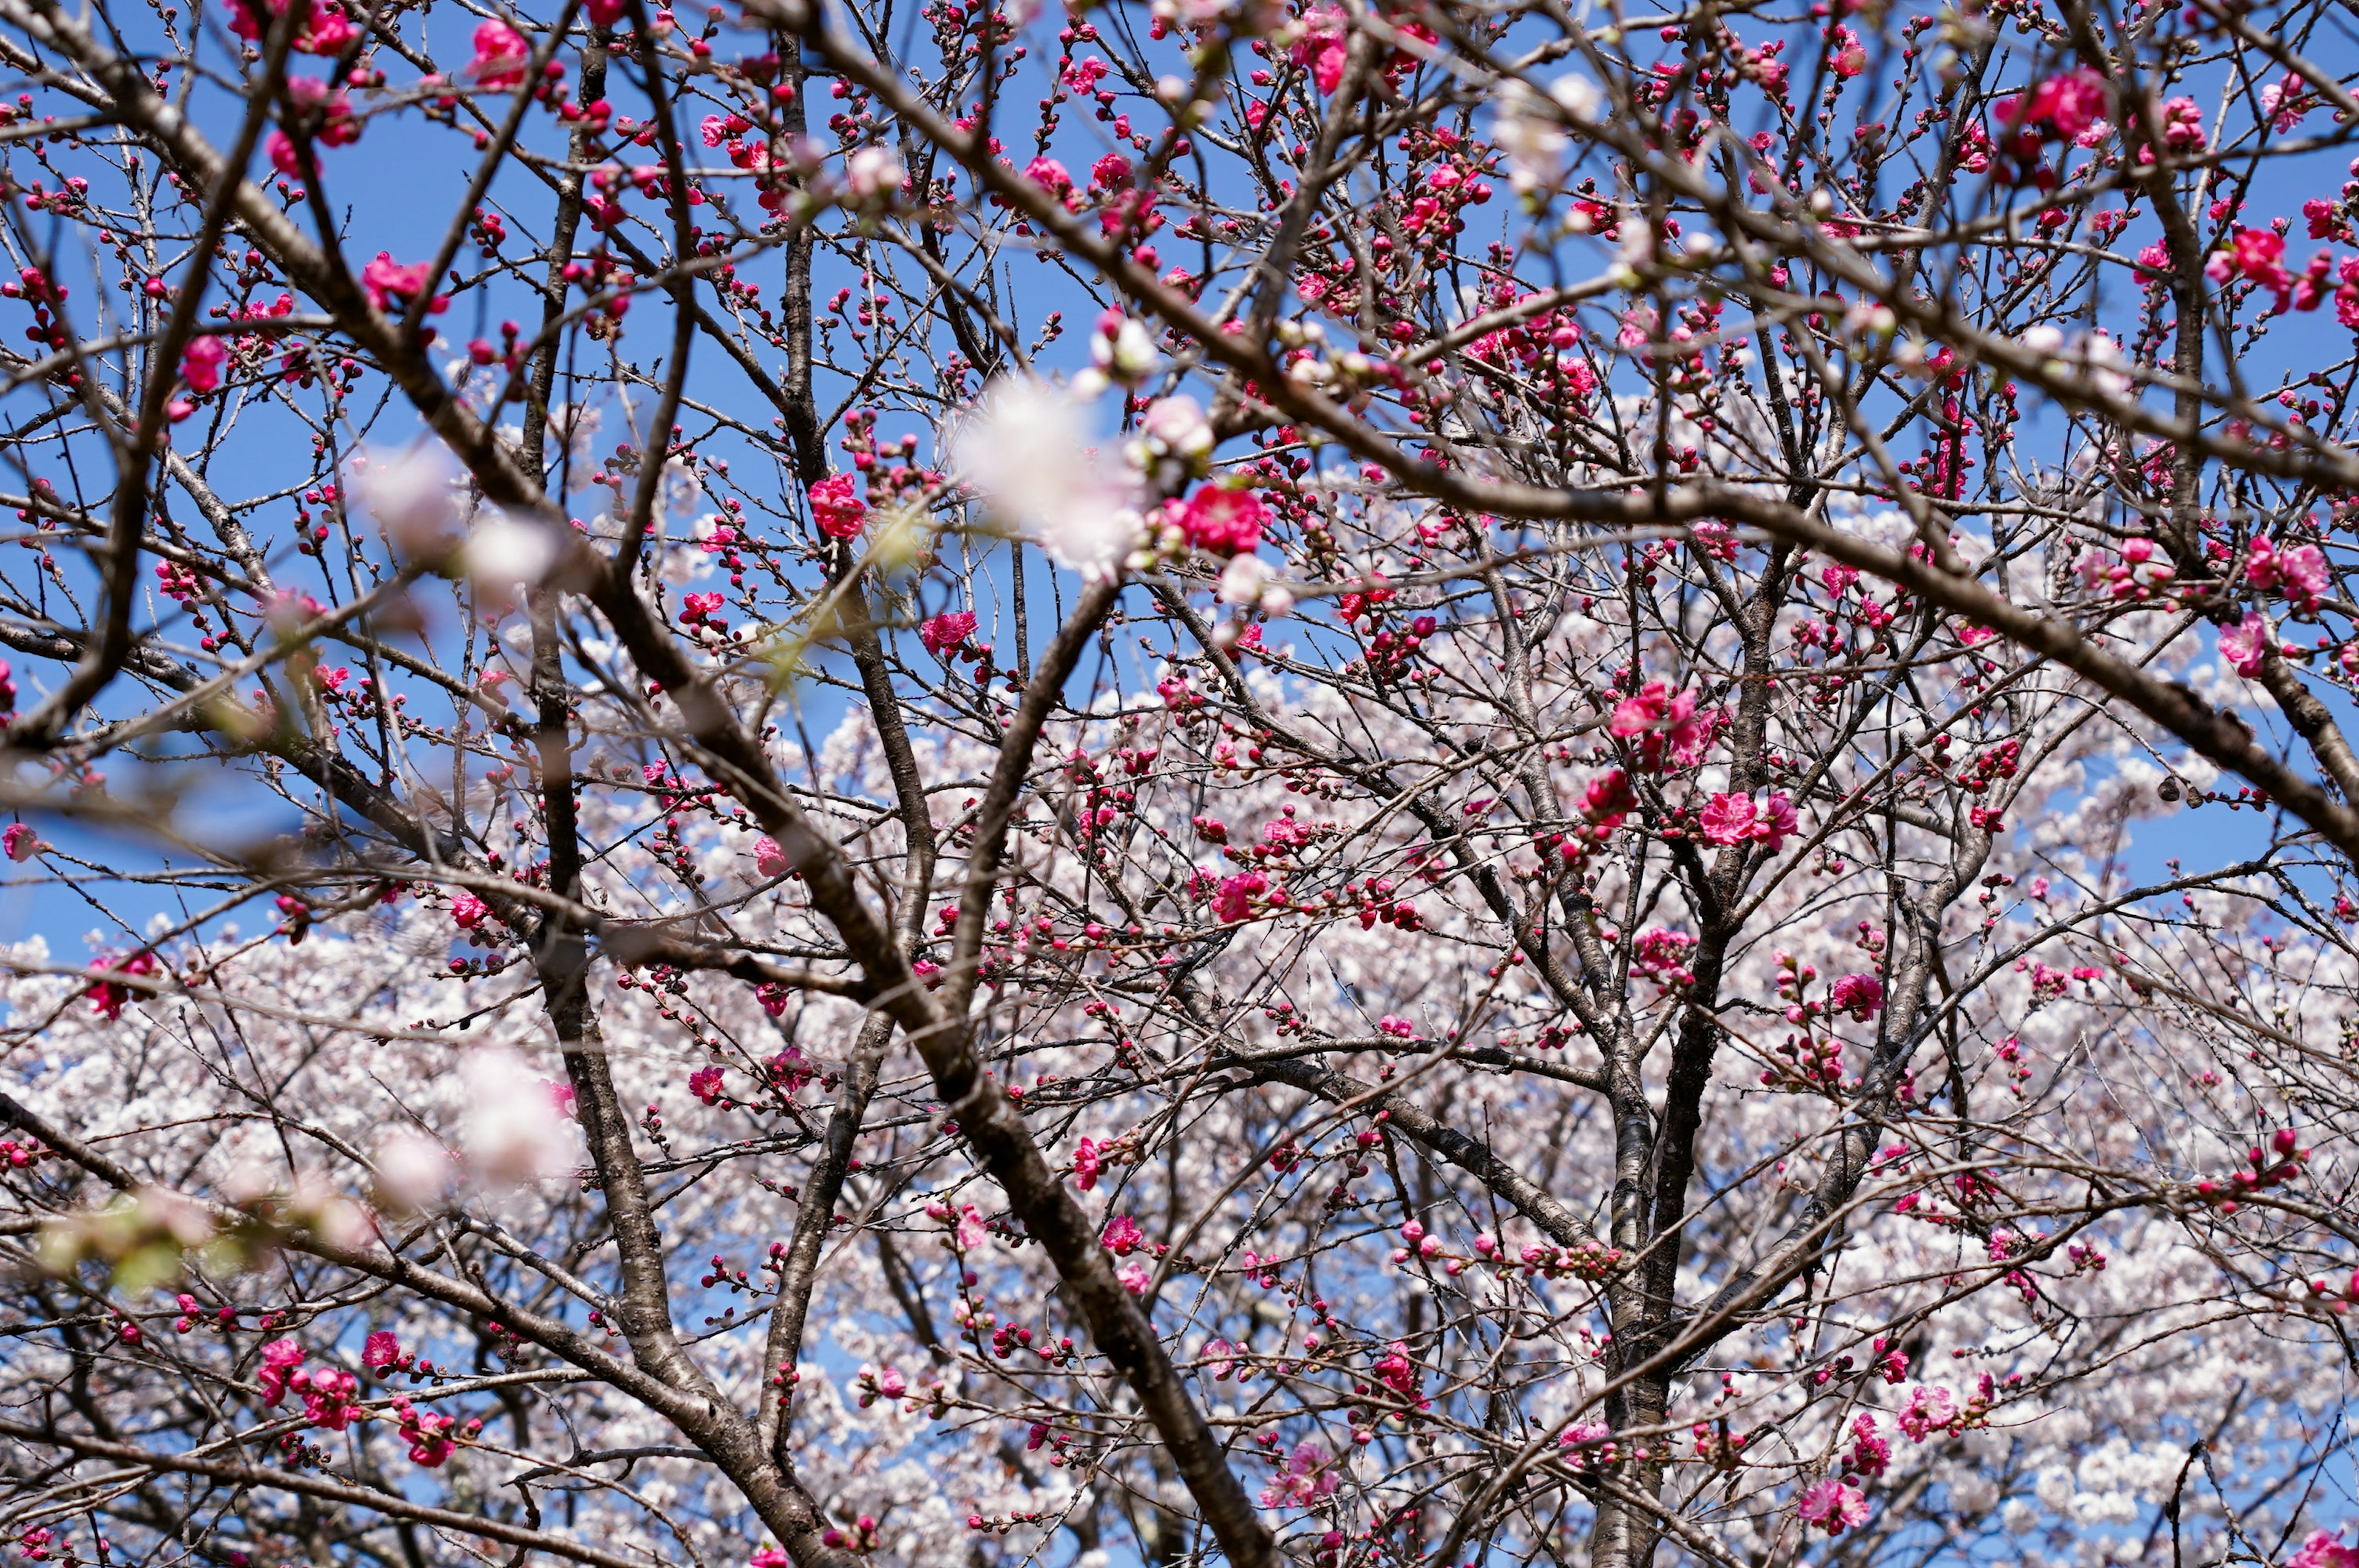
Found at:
<point>1931,1408</point>
<point>2324,1549</point>
<point>1222,522</point>
<point>2246,643</point>
<point>835,508</point>
<point>1834,1505</point>
<point>1729,818</point>
<point>501,55</point>
<point>1233,900</point>
<point>768,859</point>
<point>1862,996</point>
<point>1308,1480</point>
<point>947,631</point>
<point>201,366</point>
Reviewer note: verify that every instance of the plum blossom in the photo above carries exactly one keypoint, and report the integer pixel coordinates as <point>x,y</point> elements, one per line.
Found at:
<point>106,991</point>
<point>2324,1549</point>
<point>1730,819</point>
<point>2256,256</point>
<point>200,364</point>
<point>2299,572</point>
<point>502,552</point>
<point>426,1432</point>
<point>873,174</point>
<point>835,508</point>
<point>1121,350</point>
<point>1662,722</point>
<point>1862,996</point>
<point>279,1359</point>
<point>1308,1478</point>
<point>1834,1505</point>
<point>1931,1408</point>
<point>1235,898</point>
<point>947,631</point>
<point>1087,1162</point>
<point>1222,521</point>
<point>2069,104</point>
<point>390,286</point>
<point>2246,643</point>
<point>1870,1455</point>
<point>769,859</point>
<point>501,55</point>
<point>19,842</point>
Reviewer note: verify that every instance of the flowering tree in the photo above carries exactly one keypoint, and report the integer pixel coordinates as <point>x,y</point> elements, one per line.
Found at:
<point>1506,878</point>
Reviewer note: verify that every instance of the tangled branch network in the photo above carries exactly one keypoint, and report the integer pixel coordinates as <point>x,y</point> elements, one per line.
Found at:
<point>1342,783</point>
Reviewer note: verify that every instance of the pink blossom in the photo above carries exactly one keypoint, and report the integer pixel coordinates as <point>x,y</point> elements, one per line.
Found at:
<point>107,993</point>
<point>971,1232</point>
<point>1931,1408</point>
<point>835,508</point>
<point>1307,1480</point>
<point>280,1359</point>
<point>1399,1028</point>
<point>201,365</point>
<point>325,29</point>
<point>381,1350</point>
<point>1321,46</point>
<point>1122,1235</point>
<point>1135,1276</point>
<point>768,859</point>
<point>391,286</point>
<point>2257,256</point>
<point>327,1397</point>
<point>1233,901</point>
<point>1049,174</point>
<point>469,910</point>
<point>947,631</point>
<point>705,1085</point>
<point>1223,521</point>
<point>2069,104</point>
<point>1862,996</point>
<point>2299,572</point>
<point>1870,1453</point>
<point>2285,102</point>
<point>1663,721</point>
<point>2324,1549</point>
<point>2246,643</point>
<point>1584,1439</point>
<point>1729,818</point>
<point>501,55</point>
<point>20,842</point>
<point>428,1434</point>
<point>1086,1164</point>
<point>1834,1505</point>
